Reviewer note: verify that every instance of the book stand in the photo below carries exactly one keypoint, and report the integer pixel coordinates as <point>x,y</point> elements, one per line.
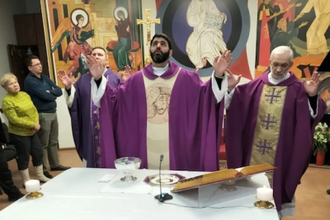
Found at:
<point>223,191</point>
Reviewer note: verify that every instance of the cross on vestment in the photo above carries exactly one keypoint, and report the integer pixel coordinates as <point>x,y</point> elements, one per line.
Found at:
<point>264,147</point>
<point>268,122</point>
<point>272,96</point>
<point>148,21</point>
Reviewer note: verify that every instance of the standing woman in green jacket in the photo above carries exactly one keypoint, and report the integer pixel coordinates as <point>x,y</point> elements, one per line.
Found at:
<point>23,124</point>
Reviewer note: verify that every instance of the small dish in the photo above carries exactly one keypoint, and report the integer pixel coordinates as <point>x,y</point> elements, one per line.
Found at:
<point>166,179</point>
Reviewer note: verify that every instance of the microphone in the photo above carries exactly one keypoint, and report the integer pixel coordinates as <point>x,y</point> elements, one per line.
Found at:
<point>162,196</point>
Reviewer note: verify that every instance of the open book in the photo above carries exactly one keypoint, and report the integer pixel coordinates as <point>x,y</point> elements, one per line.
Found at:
<point>220,176</point>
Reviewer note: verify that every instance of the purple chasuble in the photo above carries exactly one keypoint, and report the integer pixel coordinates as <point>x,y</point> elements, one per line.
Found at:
<point>296,133</point>
<point>195,121</point>
<point>84,119</point>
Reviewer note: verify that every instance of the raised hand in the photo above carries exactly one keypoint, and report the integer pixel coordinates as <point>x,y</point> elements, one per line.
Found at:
<point>221,63</point>
<point>96,67</point>
<point>66,79</point>
<point>127,74</point>
<point>312,85</point>
<point>232,80</point>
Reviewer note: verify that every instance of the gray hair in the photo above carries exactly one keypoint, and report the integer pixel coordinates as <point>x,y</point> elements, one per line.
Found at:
<point>282,50</point>
<point>5,79</point>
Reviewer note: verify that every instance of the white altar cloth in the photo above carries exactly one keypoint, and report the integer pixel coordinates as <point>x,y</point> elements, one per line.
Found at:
<point>77,194</point>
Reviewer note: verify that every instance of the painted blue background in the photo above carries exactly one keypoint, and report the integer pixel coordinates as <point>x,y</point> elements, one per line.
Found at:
<point>181,30</point>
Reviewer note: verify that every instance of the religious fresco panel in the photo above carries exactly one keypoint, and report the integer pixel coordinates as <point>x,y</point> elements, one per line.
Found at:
<point>303,25</point>
<point>201,29</point>
<point>76,26</point>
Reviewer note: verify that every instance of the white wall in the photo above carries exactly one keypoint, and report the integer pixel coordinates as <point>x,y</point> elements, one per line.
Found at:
<point>64,122</point>
<point>33,6</point>
<point>8,35</point>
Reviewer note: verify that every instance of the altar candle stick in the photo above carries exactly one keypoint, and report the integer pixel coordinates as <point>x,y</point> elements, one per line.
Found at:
<point>264,193</point>
<point>32,185</point>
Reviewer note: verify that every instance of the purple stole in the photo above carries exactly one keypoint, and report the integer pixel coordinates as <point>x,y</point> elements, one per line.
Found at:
<point>95,118</point>
<point>96,132</point>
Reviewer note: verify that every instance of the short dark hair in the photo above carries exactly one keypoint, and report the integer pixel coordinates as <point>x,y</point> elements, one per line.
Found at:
<point>78,17</point>
<point>28,60</point>
<point>101,48</point>
<point>162,35</point>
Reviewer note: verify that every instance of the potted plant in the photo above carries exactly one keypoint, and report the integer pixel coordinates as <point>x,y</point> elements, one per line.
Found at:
<point>321,138</point>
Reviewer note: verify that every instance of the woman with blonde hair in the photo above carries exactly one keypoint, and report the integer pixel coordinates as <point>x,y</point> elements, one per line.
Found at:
<point>23,121</point>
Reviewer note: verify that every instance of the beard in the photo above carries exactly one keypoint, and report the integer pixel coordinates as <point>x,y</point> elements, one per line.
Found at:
<point>159,57</point>
<point>277,75</point>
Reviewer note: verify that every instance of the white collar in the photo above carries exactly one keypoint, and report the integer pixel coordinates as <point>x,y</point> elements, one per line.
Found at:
<point>274,81</point>
<point>160,70</point>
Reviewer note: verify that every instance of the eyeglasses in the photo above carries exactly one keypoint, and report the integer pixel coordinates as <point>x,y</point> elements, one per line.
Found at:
<point>37,64</point>
<point>282,65</point>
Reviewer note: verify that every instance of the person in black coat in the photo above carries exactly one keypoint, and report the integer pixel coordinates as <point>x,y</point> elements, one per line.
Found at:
<point>6,154</point>
<point>6,180</point>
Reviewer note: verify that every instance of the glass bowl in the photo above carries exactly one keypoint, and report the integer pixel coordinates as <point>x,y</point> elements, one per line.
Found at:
<point>127,165</point>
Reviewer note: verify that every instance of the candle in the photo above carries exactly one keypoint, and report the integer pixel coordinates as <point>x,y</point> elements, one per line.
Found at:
<point>32,186</point>
<point>264,193</point>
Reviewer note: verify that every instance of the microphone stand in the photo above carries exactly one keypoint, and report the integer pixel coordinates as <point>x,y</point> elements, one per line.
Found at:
<point>162,196</point>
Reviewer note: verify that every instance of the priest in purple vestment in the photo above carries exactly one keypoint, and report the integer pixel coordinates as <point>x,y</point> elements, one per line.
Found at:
<point>271,119</point>
<point>84,114</point>
<point>163,110</point>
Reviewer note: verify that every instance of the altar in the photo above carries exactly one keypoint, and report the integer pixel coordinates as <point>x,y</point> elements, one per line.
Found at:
<point>78,193</point>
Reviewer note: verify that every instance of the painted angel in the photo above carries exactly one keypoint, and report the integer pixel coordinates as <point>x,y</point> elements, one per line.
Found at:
<point>78,47</point>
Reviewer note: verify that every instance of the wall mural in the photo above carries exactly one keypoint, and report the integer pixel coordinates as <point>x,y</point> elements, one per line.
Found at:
<point>199,29</point>
<point>302,25</point>
<point>202,29</point>
<point>76,26</point>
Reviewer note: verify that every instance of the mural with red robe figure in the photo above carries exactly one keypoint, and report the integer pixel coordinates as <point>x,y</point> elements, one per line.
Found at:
<point>200,30</point>
<point>76,26</point>
<point>303,25</point>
